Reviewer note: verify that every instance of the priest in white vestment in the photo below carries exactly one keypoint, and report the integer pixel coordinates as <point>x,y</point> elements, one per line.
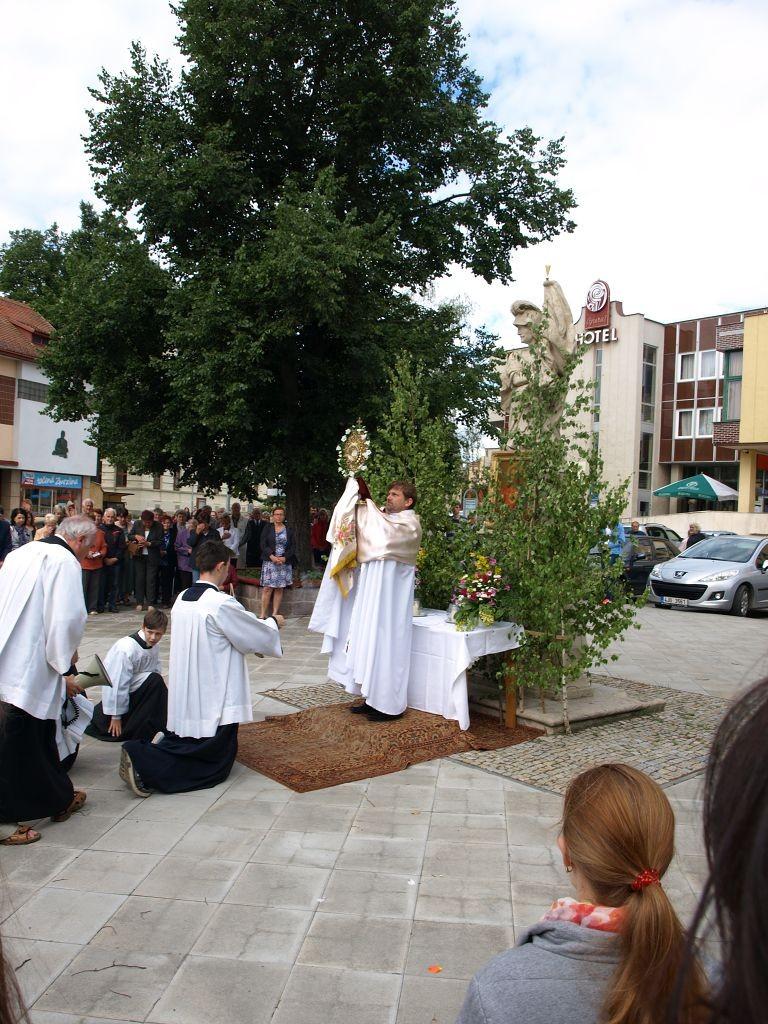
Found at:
<point>208,686</point>
<point>365,604</point>
<point>42,619</point>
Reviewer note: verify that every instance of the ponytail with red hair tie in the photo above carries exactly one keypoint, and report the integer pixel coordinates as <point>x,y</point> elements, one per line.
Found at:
<point>648,877</point>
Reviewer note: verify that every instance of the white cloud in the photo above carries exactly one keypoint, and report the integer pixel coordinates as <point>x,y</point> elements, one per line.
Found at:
<point>661,107</point>
<point>50,53</point>
<point>660,102</point>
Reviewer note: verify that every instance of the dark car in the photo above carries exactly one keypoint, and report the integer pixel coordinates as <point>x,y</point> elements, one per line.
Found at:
<point>640,555</point>
<point>663,532</point>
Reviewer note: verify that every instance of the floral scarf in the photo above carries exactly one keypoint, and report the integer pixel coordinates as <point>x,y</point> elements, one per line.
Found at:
<point>588,915</point>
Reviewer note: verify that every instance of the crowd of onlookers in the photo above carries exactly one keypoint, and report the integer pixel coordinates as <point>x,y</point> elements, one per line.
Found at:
<point>150,559</point>
<point>142,561</point>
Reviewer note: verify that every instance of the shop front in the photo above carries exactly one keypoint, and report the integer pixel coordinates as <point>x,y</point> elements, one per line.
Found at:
<point>46,490</point>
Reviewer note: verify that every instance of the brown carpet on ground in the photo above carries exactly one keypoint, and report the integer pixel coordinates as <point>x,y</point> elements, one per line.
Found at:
<point>327,746</point>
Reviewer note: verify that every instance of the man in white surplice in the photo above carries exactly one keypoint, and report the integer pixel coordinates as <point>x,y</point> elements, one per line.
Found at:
<point>366,613</point>
<point>208,687</point>
<point>42,618</point>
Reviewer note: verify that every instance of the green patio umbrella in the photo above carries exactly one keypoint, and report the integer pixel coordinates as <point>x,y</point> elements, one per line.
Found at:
<point>699,486</point>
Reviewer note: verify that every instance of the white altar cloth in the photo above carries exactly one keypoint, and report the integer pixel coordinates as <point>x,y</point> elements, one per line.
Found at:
<point>440,657</point>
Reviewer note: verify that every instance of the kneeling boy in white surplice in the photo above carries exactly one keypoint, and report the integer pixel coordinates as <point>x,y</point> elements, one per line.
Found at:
<point>135,707</point>
<point>208,687</point>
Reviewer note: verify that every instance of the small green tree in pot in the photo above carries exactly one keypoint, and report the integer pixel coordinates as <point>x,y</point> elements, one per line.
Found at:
<point>548,529</point>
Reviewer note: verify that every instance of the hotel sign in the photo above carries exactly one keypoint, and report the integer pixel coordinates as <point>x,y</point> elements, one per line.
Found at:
<point>595,337</point>
<point>597,316</point>
<point>598,311</point>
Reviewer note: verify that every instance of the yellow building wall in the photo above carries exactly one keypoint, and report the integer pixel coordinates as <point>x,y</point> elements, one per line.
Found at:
<point>753,428</point>
<point>6,442</point>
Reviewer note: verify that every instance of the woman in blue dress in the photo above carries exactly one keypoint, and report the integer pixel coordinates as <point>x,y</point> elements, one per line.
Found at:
<point>277,553</point>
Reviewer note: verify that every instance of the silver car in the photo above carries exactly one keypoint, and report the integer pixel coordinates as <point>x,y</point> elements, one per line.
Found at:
<point>727,574</point>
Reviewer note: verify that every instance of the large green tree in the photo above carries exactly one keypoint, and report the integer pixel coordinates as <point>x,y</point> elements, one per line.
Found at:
<point>32,268</point>
<point>312,171</point>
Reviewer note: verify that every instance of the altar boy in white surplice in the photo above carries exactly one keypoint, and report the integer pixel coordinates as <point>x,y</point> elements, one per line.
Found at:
<point>366,613</point>
<point>208,686</point>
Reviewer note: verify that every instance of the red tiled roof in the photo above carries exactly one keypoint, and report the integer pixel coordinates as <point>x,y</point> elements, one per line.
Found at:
<point>18,323</point>
<point>24,316</point>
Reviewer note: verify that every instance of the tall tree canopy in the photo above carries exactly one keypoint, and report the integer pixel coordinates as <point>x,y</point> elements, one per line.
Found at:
<point>313,170</point>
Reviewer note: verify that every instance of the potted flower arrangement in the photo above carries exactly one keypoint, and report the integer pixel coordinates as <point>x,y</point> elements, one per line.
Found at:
<point>478,597</point>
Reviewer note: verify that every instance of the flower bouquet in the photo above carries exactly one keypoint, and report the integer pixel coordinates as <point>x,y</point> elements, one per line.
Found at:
<point>478,596</point>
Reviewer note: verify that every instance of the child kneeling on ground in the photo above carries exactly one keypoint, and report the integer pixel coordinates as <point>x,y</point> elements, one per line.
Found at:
<point>135,707</point>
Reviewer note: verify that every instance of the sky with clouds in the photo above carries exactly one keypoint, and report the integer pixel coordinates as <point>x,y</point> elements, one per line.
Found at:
<point>661,105</point>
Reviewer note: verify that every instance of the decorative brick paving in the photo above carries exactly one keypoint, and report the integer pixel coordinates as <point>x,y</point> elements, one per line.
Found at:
<point>310,696</point>
<point>669,746</point>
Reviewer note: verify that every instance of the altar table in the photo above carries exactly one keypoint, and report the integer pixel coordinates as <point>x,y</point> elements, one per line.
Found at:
<point>440,657</point>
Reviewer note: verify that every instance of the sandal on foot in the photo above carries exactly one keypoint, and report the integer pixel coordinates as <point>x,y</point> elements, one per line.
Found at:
<point>78,801</point>
<point>23,836</point>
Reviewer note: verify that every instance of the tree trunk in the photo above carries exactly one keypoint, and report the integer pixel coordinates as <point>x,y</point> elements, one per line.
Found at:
<point>297,516</point>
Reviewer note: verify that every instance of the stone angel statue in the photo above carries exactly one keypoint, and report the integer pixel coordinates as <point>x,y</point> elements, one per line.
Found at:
<point>559,335</point>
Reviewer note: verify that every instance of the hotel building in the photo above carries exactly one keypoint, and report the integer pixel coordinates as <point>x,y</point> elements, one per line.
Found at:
<point>672,400</point>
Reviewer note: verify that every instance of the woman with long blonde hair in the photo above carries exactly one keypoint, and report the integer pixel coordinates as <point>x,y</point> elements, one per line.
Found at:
<point>612,955</point>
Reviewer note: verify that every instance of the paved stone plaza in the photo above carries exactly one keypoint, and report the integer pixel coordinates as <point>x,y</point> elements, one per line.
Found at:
<point>248,902</point>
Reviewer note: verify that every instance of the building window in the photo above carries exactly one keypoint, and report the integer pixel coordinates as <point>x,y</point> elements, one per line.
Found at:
<point>32,390</point>
<point>707,364</point>
<point>684,423</point>
<point>704,420</point>
<point>596,392</point>
<point>734,362</point>
<point>156,482</point>
<point>644,466</point>
<point>648,397</point>
<point>686,366</point>
<point>176,480</point>
<point>121,476</point>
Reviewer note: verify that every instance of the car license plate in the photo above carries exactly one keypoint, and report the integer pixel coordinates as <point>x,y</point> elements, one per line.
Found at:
<point>681,602</point>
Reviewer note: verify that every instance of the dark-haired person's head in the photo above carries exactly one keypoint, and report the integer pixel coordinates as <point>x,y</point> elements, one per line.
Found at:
<point>210,555</point>
<point>736,840</point>
<point>156,620</point>
<point>147,516</point>
<point>401,496</point>
<point>19,517</point>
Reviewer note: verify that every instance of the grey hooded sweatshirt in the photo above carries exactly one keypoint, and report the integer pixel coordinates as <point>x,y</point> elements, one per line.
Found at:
<point>558,973</point>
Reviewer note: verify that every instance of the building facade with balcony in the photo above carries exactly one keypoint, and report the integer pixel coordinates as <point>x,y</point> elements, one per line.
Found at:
<point>711,416</point>
<point>743,424</point>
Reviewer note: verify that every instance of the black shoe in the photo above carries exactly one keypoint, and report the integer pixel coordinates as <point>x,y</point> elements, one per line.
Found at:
<point>380,716</point>
<point>361,709</point>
